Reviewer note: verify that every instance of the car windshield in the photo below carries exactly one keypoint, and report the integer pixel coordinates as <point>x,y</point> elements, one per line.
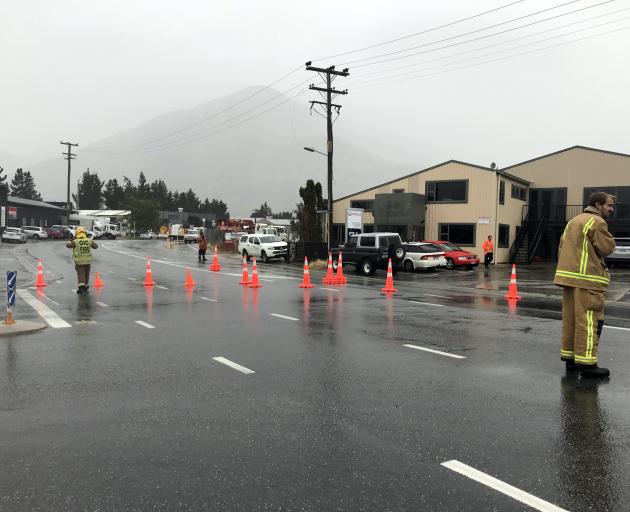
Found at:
<point>268,239</point>
<point>451,247</point>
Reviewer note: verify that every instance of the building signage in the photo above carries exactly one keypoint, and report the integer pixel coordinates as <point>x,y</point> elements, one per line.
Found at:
<point>3,217</point>
<point>354,222</point>
<point>484,220</point>
<point>12,212</point>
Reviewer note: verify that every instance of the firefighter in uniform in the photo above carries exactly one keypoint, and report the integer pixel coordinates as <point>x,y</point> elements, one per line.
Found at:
<point>82,255</point>
<point>584,278</point>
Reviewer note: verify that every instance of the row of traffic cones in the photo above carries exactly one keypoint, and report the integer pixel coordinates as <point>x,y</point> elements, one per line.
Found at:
<point>245,281</point>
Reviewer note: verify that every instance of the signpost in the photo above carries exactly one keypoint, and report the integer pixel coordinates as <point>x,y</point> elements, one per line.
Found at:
<point>11,287</point>
<point>354,222</point>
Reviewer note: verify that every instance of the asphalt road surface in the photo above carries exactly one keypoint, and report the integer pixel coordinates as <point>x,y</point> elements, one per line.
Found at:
<point>442,397</point>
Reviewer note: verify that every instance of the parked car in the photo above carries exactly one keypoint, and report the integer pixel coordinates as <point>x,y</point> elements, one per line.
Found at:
<point>64,230</point>
<point>621,255</point>
<point>422,255</point>
<point>455,255</point>
<point>149,235</point>
<point>14,235</point>
<point>53,234</point>
<point>368,252</point>
<point>34,232</point>
<point>266,247</point>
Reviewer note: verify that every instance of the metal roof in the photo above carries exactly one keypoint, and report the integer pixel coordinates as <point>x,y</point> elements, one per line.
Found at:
<point>105,213</point>
<point>30,202</point>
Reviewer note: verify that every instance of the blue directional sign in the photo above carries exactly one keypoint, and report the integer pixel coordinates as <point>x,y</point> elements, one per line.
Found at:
<point>11,285</point>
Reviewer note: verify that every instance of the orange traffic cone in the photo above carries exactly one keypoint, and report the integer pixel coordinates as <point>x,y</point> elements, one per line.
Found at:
<point>190,283</point>
<point>330,278</point>
<point>40,275</point>
<point>98,283</point>
<point>306,281</point>
<point>512,291</point>
<point>245,279</point>
<point>389,282</point>
<point>148,278</point>
<point>215,267</point>
<point>255,282</point>
<point>340,278</point>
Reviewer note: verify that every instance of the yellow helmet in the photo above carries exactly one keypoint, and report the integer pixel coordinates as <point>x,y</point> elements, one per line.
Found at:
<point>80,232</point>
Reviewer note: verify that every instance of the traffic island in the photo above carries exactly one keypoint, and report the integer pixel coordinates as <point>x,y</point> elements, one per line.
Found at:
<point>20,327</point>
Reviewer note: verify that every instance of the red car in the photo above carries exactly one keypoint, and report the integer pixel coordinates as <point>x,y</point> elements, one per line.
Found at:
<point>54,234</point>
<point>455,255</point>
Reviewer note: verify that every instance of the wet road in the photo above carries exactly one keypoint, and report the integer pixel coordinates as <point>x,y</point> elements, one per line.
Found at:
<point>225,398</point>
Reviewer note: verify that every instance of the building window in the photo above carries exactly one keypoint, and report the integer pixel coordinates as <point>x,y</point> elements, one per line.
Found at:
<point>24,221</point>
<point>519,192</point>
<point>453,191</point>
<point>504,235</point>
<point>398,191</point>
<point>502,192</point>
<point>366,204</point>
<point>460,234</point>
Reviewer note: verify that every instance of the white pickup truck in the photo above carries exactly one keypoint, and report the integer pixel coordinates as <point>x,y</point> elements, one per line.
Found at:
<point>265,247</point>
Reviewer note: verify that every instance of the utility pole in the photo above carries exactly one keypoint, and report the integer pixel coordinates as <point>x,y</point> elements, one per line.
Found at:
<point>68,156</point>
<point>328,75</point>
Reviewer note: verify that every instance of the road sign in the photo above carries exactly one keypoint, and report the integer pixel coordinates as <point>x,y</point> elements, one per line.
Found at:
<point>11,286</point>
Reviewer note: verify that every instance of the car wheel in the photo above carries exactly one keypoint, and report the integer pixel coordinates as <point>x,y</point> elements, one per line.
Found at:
<point>245,255</point>
<point>367,268</point>
<point>450,264</point>
<point>409,266</point>
<point>263,257</point>
<point>335,264</point>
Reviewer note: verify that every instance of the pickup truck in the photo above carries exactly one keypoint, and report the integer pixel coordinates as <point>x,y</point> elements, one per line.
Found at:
<point>371,251</point>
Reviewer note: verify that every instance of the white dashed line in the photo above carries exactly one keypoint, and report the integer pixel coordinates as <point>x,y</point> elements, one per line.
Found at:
<point>438,296</point>
<point>132,279</point>
<point>427,303</point>
<point>502,487</point>
<point>232,364</point>
<point>618,328</point>
<point>102,304</point>
<point>434,351</point>
<point>162,287</point>
<point>209,300</point>
<point>330,289</point>
<point>144,324</point>
<point>52,318</point>
<point>285,317</point>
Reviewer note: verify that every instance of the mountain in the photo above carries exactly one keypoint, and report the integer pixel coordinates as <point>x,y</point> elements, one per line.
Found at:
<point>258,161</point>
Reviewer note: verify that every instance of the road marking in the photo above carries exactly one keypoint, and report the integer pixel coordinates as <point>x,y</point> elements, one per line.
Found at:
<point>102,304</point>
<point>330,289</point>
<point>79,322</point>
<point>439,296</point>
<point>434,351</point>
<point>211,300</point>
<point>144,324</point>
<point>285,317</point>
<point>132,279</point>
<point>498,485</point>
<point>232,364</point>
<point>52,318</point>
<point>162,287</point>
<point>47,297</point>
<point>427,303</point>
<point>618,328</point>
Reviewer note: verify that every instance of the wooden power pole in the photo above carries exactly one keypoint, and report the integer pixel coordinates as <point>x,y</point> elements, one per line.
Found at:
<point>68,156</point>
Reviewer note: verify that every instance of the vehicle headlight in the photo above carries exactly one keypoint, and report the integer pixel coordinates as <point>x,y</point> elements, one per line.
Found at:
<point>462,258</point>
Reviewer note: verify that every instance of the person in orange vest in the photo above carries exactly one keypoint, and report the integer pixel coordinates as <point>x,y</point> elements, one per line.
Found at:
<point>488,251</point>
<point>202,241</point>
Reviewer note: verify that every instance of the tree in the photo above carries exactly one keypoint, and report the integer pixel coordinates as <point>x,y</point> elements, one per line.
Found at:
<point>90,191</point>
<point>189,201</point>
<point>144,212</point>
<point>143,188</point>
<point>218,208</point>
<point>114,195</point>
<point>23,185</point>
<point>263,211</point>
<point>159,192</point>
<point>2,178</point>
<point>309,224</point>
<point>282,215</point>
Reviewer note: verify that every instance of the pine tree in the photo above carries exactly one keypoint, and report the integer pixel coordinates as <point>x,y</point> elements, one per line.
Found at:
<point>114,195</point>
<point>90,191</point>
<point>23,185</point>
<point>263,211</point>
<point>308,220</point>
<point>3,178</point>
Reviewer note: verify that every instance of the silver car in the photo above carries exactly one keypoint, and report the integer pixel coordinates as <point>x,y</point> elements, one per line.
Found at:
<point>621,255</point>
<point>14,235</point>
<point>35,232</point>
<point>423,255</point>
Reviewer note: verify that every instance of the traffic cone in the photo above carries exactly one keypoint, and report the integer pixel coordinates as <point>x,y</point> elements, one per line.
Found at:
<point>148,279</point>
<point>215,267</point>
<point>245,279</point>
<point>306,281</point>
<point>190,283</point>
<point>40,275</point>
<point>512,291</point>
<point>255,282</point>
<point>330,277</point>
<point>98,283</point>
<point>389,282</point>
<point>340,278</point>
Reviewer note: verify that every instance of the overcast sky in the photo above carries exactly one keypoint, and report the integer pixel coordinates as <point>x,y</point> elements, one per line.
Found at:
<point>84,70</point>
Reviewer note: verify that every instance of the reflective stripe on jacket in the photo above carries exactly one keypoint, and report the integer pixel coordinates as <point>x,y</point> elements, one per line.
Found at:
<point>583,246</point>
<point>82,251</point>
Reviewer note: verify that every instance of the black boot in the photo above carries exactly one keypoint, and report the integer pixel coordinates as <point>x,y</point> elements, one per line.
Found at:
<point>570,365</point>
<point>592,371</point>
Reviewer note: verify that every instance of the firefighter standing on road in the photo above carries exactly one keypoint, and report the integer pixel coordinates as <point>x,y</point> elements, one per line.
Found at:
<point>203,245</point>
<point>488,251</point>
<point>82,255</point>
<point>584,277</point>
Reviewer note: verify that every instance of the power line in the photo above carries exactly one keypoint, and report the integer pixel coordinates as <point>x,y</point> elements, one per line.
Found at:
<point>420,33</point>
<point>474,32</point>
<point>489,54</point>
<point>493,60</point>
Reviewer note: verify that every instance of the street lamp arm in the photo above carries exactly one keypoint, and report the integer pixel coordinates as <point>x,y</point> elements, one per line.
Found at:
<point>313,150</point>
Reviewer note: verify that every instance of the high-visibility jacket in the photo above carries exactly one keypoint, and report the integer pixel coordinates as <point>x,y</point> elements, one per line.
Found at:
<point>82,251</point>
<point>203,243</point>
<point>583,246</point>
<point>487,246</point>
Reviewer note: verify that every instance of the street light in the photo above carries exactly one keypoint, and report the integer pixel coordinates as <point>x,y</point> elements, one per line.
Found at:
<point>329,209</point>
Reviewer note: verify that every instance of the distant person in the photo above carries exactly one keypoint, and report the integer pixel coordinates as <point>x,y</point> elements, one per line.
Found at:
<point>584,278</point>
<point>82,255</point>
<point>203,245</point>
<point>488,251</point>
